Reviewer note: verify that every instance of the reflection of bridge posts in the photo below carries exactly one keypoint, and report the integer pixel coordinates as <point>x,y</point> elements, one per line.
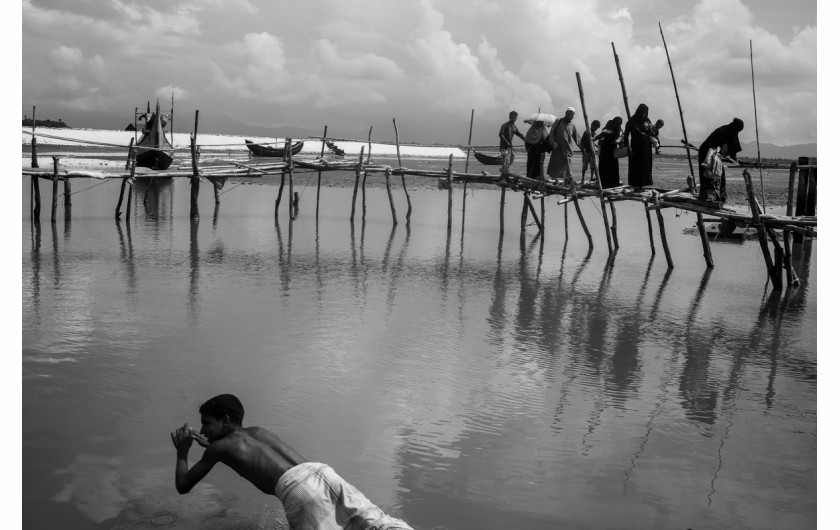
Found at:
<point>36,265</point>
<point>192,297</point>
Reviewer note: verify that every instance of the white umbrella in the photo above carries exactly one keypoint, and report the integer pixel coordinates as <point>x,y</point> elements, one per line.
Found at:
<point>544,117</point>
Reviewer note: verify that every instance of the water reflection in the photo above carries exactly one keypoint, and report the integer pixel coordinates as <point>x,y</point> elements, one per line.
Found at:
<point>35,258</point>
<point>697,389</point>
<point>192,292</point>
<point>127,257</point>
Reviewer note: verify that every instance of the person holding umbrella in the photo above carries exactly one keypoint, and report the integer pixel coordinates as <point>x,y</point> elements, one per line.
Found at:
<point>536,143</point>
<point>506,134</point>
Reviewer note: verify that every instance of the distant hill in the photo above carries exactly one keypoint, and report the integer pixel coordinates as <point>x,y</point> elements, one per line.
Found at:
<point>27,122</point>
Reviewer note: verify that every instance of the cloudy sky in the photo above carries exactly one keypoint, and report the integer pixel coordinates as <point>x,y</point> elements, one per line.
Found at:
<point>276,68</point>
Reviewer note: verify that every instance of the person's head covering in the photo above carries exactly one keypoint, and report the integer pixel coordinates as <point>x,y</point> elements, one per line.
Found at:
<point>641,112</point>
<point>596,124</point>
<point>738,125</point>
<point>535,133</point>
<point>617,121</point>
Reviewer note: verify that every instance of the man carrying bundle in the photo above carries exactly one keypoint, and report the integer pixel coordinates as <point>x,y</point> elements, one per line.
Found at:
<point>313,495</point>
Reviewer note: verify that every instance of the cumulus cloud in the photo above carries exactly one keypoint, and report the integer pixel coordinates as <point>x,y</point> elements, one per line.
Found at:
<point>427,60</point>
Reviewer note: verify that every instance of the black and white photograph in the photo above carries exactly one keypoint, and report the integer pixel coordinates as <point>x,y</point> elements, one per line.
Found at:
<point>420,264</point>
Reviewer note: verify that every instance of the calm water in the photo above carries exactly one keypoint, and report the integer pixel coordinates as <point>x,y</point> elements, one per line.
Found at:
<point>461,382</point>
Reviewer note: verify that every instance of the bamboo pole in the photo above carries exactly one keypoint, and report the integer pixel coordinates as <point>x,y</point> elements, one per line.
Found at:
<point>34,141</point>
<point>792,279</point>
<point>523,218</point>
<point>627,110</point>
<point>595,166</point>
<point>117,211</point>
<point>467,170</point>
<point>399,160</point>
<point>664,239</point>
<point>502,211</point>
<point>449,194</point>
<point>757,144</point>
<point>762,235</point>
<point>533,212</point>
<point>318,196</point>
<point>54,189</point>
<point>291,171</point>
<point>582,221</point>
<point>701,227</point>
<point>390,196</point>
<point>356,185</point>
<point>130,193</point>
<point>195,181</point>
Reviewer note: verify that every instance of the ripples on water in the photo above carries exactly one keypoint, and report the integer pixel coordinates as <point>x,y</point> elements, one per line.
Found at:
<point>461,382</point>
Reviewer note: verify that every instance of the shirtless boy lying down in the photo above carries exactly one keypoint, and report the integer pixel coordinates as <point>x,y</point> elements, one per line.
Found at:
<point>313,495</point>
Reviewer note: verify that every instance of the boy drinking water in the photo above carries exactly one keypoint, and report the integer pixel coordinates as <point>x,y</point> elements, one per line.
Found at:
<point>313,495</point>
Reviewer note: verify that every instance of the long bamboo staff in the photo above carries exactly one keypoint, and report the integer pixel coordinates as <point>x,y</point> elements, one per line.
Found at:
<point>701,226</point>
<point>318,194</point>
<point>402,175</point>
<point>467,170</point>
<point>627,110</point>
<point>757,144</point>
<point>597,175</point>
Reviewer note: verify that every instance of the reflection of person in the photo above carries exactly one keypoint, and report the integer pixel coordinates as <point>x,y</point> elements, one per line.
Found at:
<point>313,495</point>
<point>587,155</point>
<point>534,145</point>
<point>607,162</point>
<point>725,138</point>
<point>640,161</point>
<point>562,136</point>
<point>506,134</point>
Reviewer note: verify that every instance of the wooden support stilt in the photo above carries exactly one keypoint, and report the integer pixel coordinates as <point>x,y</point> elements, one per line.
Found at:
<point>762,234</point>
<point>449,194</point>
<point>533,213</point>
<point>664,238</point>
<point>195,181</point>
<point>117,211</point>
<point>650,231</point>
<point>792,279</point>
<point>614,227</point>
<point>582,221</point>
<point>523,219</point>
<point>130,194</point>
<point>356,185</point>
<point>280,192</point>
<point>34,141</point>
<point>566,216</point>
<point>402,175</point>
<point>595,169</point>
<point>542,217</point>
<point>318,196</point>
<point>390,196</point>
<point>34,186</point>
<point>291,171</point>
<point>54,189</point>
<point>34,160</point>
<point>502,211</point>
<point>467,170</point>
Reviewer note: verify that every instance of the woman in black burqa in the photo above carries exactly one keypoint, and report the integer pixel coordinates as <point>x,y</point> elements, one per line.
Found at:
<point>640,161</point>
<point>725,138</point>
<point>607,162</point>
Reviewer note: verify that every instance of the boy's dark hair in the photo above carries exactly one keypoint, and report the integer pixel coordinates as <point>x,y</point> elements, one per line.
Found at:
<point>224,405</point>
<point>596,124</point>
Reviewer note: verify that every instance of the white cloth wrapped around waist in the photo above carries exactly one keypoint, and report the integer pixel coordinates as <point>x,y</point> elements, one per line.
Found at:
<point>315,497</point>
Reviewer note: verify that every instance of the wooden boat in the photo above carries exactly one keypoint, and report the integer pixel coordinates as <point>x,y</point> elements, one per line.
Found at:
<point>153,149</point>
<point>262,150</point>
<point>488,160</point>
